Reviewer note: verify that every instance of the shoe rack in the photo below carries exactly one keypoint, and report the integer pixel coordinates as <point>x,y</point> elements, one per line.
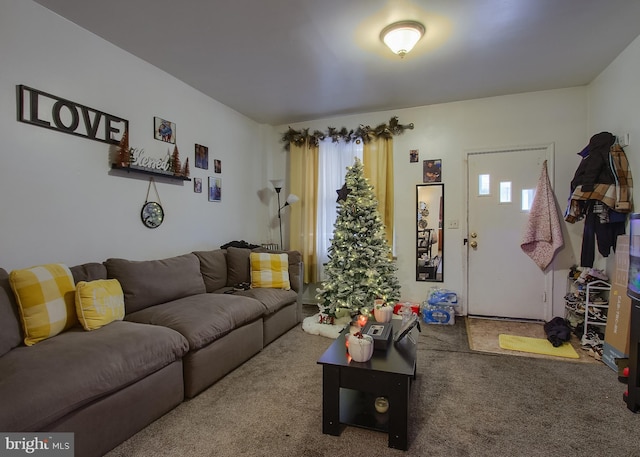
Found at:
<point>595,310</point>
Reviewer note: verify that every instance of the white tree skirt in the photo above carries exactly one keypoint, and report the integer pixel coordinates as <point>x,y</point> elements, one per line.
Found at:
<point>312,325</point>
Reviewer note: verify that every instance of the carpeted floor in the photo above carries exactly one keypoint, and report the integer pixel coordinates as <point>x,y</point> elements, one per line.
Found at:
<point>464,403</point>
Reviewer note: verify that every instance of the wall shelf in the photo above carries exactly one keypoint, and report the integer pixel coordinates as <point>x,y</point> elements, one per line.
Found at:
<point>115,166</point>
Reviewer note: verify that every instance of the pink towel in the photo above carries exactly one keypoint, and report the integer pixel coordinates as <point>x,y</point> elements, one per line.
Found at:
<point>543,234</point>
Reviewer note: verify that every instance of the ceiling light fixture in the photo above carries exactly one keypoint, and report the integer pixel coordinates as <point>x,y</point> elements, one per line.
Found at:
<point>402,36</point>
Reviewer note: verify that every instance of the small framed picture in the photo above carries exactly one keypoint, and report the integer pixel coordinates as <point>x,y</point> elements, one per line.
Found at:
<point>215,189</point>
<point>217,166</point>
<point>197,185</point>
<point>432,170</point>
<point>413,155</point>
<point>164,130</point>
<point>202,157</point>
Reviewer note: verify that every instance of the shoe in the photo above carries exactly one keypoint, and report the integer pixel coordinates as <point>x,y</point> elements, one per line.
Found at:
<point>596,315</point>
<point>596,352</point>
<point>591,339</point>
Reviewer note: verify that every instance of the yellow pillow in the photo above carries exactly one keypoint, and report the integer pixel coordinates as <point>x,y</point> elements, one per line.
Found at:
<point>99,302</point>
<point>45,296</point>
<point>270,270</point>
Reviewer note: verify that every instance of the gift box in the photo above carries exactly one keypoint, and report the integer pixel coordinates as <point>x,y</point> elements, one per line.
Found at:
<point>415,307</point>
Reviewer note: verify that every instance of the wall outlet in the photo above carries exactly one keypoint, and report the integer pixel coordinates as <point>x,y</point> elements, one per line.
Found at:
<point>453,224</point>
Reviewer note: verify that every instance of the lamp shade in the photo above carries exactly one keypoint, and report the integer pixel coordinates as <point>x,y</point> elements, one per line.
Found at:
<point>402,36</point>
<point>292,198</point>
<point>277,184</point>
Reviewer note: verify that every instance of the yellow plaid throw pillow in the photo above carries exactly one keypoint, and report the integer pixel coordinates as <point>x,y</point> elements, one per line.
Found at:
<point>99,302</point>
<point>45,296</point>
<point>270,270</point>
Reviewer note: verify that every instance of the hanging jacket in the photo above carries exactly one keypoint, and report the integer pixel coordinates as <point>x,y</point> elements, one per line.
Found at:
<point>594,168</point>
<point>603,175</point>
<point>623,179</point>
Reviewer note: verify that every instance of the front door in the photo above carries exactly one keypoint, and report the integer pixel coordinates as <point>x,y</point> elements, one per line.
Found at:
<point>502,280</point>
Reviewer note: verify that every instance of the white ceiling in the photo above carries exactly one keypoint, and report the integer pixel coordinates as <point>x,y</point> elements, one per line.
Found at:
<point>286,61</point>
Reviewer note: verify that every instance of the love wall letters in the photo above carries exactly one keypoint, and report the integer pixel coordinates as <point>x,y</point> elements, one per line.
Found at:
<point>56,113</point>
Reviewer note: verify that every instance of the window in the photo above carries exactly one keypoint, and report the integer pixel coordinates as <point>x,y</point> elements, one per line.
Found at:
<point>333,160</point>
<point>505,192</point>
<point>527,199</point>
<point>484,185</point>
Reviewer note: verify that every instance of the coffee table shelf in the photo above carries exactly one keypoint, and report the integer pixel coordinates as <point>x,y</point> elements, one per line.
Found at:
<point>357,409</point>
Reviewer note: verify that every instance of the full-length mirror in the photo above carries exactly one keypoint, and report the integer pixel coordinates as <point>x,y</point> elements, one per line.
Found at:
<point>429,232</point>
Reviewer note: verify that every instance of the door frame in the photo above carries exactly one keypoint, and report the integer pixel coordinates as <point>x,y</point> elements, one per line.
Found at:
<point>548,274</point>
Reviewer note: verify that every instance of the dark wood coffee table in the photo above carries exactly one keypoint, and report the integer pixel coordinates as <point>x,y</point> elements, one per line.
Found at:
<point>349,389</point>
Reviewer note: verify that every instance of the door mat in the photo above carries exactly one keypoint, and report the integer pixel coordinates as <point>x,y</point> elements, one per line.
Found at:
<point>536,346</point>
<point>483,337</point>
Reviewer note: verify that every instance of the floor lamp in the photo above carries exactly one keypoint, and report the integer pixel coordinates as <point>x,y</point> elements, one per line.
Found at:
<point>277,185</point>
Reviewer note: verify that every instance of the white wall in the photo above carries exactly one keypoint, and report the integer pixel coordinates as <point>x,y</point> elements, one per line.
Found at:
<point>448,132</point>
<point>614,101</point>
<point>61,203</point>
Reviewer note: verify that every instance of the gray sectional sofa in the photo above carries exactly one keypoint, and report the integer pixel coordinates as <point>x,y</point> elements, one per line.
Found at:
<point>181,333</point>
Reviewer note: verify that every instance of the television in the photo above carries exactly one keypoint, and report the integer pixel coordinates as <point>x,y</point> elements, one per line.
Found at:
<point>633,286</point>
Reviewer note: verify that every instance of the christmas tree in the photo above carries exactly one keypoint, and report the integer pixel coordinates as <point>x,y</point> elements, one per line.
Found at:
<point>124,153</point>
<point>360,267</point>
<point>185,170</point>
<point>176,165</point>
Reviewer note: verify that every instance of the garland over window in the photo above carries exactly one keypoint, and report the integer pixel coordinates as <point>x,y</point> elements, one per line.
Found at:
<point>363,132</point>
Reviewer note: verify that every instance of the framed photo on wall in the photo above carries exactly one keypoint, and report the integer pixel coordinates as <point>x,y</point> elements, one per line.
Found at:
<point>217,166</point>
<point>432,170</point>
<point>202,157</point>
<point>215,189</point>
<point>164,130</point>
<point>197,185</point>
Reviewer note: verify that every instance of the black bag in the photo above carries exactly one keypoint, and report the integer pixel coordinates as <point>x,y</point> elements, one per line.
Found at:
<point>558,331</point>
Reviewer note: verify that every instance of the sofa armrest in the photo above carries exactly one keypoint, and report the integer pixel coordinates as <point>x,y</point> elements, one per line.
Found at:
<point>296,273</point>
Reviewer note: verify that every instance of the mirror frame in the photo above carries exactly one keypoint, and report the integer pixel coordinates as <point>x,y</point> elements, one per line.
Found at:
<point>430,233</point>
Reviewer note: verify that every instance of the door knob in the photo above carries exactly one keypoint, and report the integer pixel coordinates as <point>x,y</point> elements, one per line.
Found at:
<point>473,244</point>
<point>473,235</point>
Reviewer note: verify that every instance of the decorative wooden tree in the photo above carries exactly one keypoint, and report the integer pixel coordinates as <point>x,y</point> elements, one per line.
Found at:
<point>124,155</point>
<point>185,170</point>
<point>176,165</point>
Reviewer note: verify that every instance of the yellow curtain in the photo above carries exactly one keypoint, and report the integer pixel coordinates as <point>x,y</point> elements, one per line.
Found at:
<point>377,161</point>
<point>304,183</point>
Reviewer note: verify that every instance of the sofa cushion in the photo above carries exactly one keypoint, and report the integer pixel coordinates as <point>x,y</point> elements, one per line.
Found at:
<point>79,367</point>
<point>237,266</point>
<point>203,318</point>
<point>270,270</point>
<point>271,299</point>
<point>99,303</point>
<point>10,333</point>
<point>89,272</point>
<point>213,266</point>
<point>152,282</point>
<point>45,297</point>
<point>295,258</point>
